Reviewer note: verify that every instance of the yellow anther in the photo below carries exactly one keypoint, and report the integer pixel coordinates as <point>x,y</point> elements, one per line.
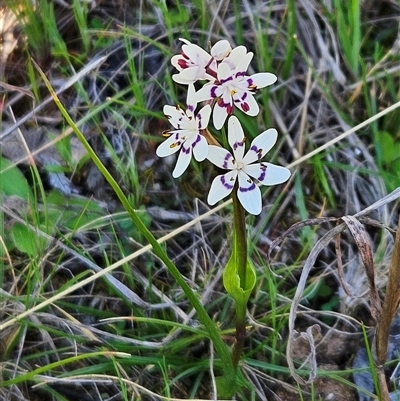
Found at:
<point>166,134</point>
<point>173,145</point>
<point>233,92</point>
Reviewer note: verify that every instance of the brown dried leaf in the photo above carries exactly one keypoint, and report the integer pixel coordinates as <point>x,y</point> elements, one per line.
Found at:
<point>340,266</point>
<point>364,246</point>
<point>390,304</point>
<point>13,88</point>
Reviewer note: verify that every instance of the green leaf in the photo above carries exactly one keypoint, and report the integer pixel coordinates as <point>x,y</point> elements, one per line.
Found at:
<point>12,181</point>
<point>226,388</point>
<point>232,282</point>
<point>390,149</point>
<point>26,240</point>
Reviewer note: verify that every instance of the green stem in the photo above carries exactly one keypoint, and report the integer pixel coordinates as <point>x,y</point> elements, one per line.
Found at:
<point>220,346</point>
<point>241,249</point>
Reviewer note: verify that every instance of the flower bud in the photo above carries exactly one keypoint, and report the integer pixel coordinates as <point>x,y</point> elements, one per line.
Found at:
<point>221,49</point>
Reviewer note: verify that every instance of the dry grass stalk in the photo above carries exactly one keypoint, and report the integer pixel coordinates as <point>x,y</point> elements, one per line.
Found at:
<point>389,310</point>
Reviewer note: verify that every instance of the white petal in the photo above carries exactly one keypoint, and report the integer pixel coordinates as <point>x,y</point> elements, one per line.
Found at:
<point>263,79</point>
<point>249,194</point>
<point>185,41</point>
<point>261,145</point>
<point>236,56</point>
<point>267,173</point>
<point>183,161</point>
<point>221,187</point>
<point>191,102</point>
<point>207,92</point>
<point>175,115</point>
<point>224,73</point>
<point>200,148</point>
<point>196,54</point>
<point>220,157</point>
<point>219,116</point>
<point>175,62</point>
<point>243,65</point>
<point>221,49</point>
<point>236,138</point>
<point>246,102</point>
<point>189,75</point>
<point>203,117</point>
<point>170,146</point>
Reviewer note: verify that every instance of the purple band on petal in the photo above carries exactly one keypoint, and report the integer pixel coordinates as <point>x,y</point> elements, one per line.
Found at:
<point>185,150</point>
<point>245,107</point>
<point>179,122</point>
<point>226,159</point>
<point>247,189</point>
<point>238,145</point>
<point>223,81</point>
<point>240,74</point>
<point>199,123</point>
<point>190,107</point>
<point>263,172</point>
<point>221,103</point>
<point>198,138</point>
<point>241,99</point>
<point>225,183</point>
<point>258,151</point>
<point>251,86</point>
<point>212,92</point>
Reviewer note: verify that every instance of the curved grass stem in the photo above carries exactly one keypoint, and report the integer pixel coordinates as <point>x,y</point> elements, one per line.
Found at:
<point>221,348</point>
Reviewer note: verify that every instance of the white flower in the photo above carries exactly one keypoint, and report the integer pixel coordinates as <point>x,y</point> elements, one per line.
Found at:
<point>187,136</point>
<point>243,169</point>
<point>194,63</point>
<point>234,87</point>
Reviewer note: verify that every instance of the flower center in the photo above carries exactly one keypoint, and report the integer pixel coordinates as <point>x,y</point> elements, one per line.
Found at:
<point>239,165</point>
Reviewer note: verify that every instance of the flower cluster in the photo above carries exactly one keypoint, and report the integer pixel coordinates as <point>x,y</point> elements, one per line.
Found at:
<point>225,85</point>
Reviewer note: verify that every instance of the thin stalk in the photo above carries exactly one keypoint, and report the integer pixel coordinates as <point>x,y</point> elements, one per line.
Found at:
<point>241,249</point>
<point>389,310</point>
